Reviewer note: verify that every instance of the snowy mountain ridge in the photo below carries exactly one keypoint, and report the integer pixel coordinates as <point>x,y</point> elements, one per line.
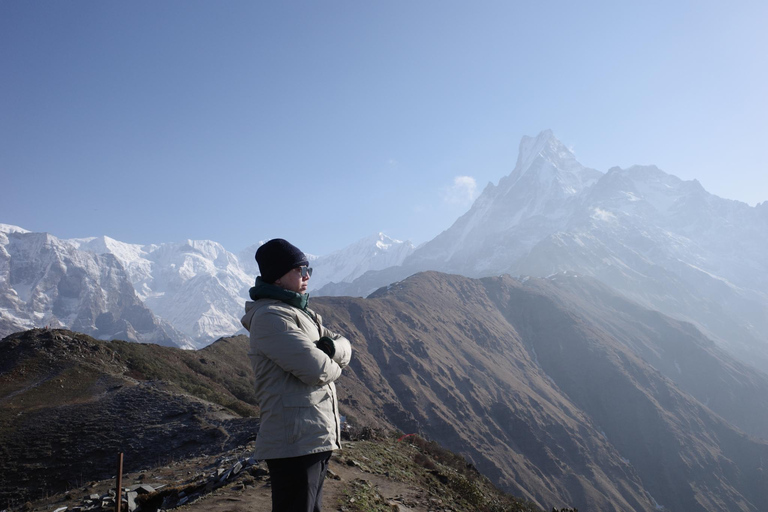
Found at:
<point>376,252</point>
<point>196,285</point>
<point>194,290</point>
<point>45,281</point>
<point>9,228</point>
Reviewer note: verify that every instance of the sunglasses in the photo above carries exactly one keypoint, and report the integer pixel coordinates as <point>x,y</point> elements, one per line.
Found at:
<point>305,271</point>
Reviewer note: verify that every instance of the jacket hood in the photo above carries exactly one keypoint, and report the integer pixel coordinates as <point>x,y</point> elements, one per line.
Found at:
<point>250,309</point>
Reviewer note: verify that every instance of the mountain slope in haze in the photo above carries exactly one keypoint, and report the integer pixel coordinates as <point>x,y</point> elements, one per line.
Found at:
<point>676,349</point>
<point>671,246</point>
<point>661,241</point>
<point>48,281</point>
<point>552,398</point>
<point>687,455</point>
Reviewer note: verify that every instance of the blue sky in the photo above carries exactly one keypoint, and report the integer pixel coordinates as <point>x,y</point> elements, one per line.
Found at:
<point>327,121</point>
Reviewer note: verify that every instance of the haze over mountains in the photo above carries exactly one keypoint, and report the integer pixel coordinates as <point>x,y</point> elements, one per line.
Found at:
<point>663,242</point>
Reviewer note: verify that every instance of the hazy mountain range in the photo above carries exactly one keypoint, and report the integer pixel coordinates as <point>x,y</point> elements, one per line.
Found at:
<point>663,242</point>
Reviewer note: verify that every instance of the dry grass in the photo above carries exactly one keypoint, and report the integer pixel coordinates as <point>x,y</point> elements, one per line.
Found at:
<point>447,477</point>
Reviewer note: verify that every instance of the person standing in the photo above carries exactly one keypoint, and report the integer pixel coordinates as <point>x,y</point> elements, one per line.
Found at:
<point>296,361</point>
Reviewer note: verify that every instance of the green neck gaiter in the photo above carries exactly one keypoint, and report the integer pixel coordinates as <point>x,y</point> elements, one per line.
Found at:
<point>264,290</point>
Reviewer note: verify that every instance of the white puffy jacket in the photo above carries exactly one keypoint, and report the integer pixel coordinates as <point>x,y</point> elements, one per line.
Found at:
<point>294,380</point>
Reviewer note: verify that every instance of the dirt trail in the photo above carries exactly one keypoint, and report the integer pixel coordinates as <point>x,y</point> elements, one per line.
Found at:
<point>257,497</point>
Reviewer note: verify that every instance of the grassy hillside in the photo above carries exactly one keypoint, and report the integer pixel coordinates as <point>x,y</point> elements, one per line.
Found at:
<point>69,403</point>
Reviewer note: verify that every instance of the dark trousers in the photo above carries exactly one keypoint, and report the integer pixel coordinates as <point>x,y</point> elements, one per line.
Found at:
<point>297,482</point>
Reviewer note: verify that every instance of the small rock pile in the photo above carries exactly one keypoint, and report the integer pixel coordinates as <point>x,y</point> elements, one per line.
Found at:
<point>175,497</point>
<point>146,498</point>
<point>103,502</point>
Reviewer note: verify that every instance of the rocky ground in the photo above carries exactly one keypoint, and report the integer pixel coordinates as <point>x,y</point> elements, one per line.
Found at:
<point>383,473</point>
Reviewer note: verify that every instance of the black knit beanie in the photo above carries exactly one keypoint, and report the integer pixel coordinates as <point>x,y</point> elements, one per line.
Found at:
<point>277,257</point>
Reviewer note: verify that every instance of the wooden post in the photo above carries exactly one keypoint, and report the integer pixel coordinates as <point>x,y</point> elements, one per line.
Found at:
<point>119,491</point>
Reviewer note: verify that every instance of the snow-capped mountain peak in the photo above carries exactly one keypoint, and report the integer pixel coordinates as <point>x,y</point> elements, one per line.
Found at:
<point>45,281</point>
<point>375,252</point>
<point>127,253</point>
<point>665,242</point>
<point>538,196</point>
<point>383,242</point>
<point>544,145</point>
<point>9,228</point>
<point>546,160</point>
<point>196,285</point>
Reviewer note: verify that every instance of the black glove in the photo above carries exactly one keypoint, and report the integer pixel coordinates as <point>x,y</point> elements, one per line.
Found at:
<point>326,345</point>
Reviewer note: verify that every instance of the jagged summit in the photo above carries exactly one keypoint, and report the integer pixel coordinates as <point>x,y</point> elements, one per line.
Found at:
<point>532,147</point>
<point>535,200</point>
<point>125,252</point>
<point>549,159</point>
<point>10,228</point>
<point>383,241</point>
